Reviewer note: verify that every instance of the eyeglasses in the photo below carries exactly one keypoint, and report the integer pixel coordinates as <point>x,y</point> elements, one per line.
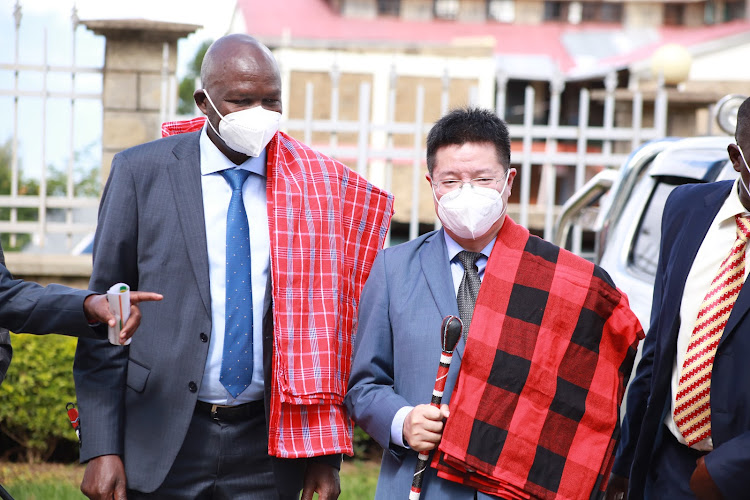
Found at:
<point>448,185</point>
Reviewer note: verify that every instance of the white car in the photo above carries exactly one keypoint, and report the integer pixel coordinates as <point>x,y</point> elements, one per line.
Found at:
<point>628,224</point>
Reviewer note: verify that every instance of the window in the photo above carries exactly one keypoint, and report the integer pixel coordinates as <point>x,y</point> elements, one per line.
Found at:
<point>611,12</point>
<point>446,9</point>
<point>734,10</point>
<point>644,254</point>
<point>577,12</point>
<point>701,166</point>
<point>553,10</point>
<point>503,11</point>
<point>606,12</point>
<point>709,13</point>
<point>389,7</point>
<point>674,14</point>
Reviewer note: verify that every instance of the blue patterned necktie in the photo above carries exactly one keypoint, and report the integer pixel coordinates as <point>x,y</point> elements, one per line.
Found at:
<point>237,360</point>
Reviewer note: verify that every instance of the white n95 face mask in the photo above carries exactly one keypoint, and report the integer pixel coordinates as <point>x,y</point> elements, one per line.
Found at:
<point>247,131</point>
<point>470,212</point>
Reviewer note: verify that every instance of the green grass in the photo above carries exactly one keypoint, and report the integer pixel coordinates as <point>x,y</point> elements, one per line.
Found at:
<point>358,480</point>
<point>61,482</point>
<point>42,481</point>
<point>45,491</point>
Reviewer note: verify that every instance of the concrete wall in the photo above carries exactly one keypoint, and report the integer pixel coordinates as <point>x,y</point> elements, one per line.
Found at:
<point>70,270</point>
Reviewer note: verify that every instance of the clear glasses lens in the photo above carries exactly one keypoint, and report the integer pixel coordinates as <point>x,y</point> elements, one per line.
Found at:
<point>448,185</point>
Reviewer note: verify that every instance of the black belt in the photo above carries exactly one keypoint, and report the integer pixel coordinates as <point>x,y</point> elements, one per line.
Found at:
<point>231,413</point>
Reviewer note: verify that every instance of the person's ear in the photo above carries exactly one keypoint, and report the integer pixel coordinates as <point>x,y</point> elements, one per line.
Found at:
<point>511,176</point>
<point>735,157</point>
<point>200,100</point>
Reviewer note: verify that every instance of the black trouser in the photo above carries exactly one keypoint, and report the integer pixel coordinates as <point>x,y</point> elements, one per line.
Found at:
<point>223,457</point>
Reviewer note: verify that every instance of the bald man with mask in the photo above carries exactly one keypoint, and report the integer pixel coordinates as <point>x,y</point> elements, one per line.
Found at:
<point>219,403</point>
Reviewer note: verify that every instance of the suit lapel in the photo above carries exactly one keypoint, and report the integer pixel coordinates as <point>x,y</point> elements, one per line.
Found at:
<point>436,270</point>
<point>685,249</point>
<point>689,242</point>
<point>185,176</point>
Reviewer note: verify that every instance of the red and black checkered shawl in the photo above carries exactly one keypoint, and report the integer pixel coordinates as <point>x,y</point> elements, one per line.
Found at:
<point>535,410</point>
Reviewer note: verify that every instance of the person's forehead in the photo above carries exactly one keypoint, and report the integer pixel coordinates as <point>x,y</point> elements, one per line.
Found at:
<point>248,80</point>
<point>476,155</point>
<point>243,59</point>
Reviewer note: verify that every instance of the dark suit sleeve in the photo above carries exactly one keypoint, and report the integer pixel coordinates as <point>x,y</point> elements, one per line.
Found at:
<point>100,368</point>
<point>27,307</point>
<point>370,399</point>
<point>729,464</point>
<point>639,390</point>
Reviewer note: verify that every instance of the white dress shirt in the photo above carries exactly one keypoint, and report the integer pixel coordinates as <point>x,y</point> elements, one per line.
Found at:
<point>457,273</point>
<point>216,197</point>
<point>712,252</point>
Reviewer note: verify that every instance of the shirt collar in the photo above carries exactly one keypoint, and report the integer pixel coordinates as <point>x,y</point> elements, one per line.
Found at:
<point>732,205</point>
<point>216,161</point>
<point>454,248</point>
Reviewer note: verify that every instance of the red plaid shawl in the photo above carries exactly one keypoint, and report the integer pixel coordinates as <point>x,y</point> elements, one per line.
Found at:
<point>535,410</point>
<point>326,224</point>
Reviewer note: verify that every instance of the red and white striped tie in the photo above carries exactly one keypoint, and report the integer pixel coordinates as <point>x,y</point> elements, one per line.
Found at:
<point>692,412</point>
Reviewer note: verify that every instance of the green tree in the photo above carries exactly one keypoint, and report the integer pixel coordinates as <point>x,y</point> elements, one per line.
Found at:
<point>25,187</point>
<point>186,104</point>
<point>86,182</point>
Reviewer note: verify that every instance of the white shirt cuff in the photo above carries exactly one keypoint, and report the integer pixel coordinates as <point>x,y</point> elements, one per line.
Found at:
<point>397,427</point>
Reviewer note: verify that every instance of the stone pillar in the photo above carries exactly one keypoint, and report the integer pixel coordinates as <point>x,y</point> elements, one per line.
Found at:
<point>135,75</point>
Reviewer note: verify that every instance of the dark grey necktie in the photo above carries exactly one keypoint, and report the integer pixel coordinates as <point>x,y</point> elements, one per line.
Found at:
<point>469,287</point>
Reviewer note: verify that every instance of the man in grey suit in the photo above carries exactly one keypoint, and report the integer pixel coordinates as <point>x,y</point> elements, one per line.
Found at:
<point>161,419</point>
<point>27,307</point>
<point>410,289</point>
<point>523,307</point>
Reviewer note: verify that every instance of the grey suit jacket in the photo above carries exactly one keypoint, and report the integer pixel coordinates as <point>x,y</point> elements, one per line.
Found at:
<point>137,401</point>
<point>396,354</point>
<point>27,307</point>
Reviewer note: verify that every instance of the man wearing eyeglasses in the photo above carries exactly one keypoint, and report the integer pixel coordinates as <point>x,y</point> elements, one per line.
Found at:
<point>538,323</point>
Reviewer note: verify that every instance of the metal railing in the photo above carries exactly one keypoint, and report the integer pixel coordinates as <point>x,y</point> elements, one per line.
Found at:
<point>371,110</point>
<point>381,147</point>
<point>15,199</point>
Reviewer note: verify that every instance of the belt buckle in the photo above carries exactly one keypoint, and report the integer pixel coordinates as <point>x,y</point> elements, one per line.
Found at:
<point>215,412</point>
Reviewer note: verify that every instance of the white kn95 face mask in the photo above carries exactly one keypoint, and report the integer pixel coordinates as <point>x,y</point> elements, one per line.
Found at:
<point>470,212</point>
<point>247,131</point>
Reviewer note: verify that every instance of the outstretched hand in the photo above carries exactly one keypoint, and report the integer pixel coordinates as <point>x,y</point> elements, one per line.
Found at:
<point>96,308</point>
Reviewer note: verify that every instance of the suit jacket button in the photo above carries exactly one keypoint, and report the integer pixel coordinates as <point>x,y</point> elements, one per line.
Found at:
<point>192,387</point>
<point>204,337</point>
